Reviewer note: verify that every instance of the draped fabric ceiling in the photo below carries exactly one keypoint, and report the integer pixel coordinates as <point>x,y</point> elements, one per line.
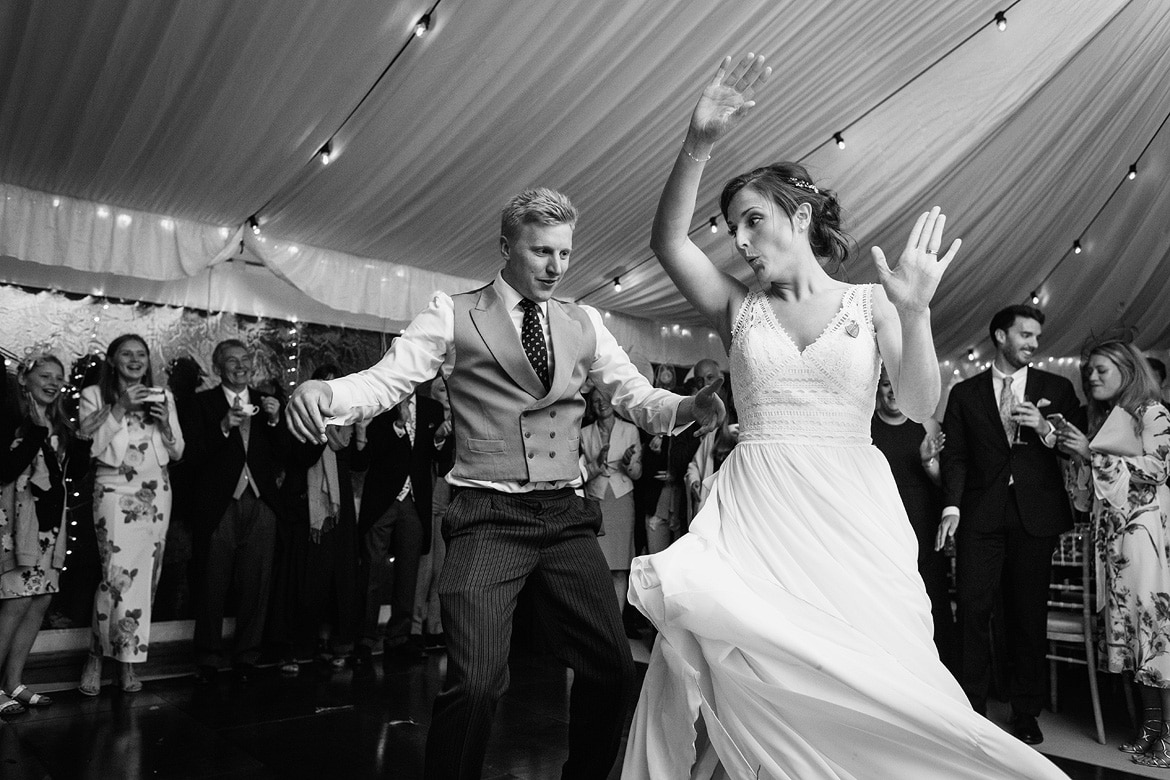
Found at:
<point>137,138</point>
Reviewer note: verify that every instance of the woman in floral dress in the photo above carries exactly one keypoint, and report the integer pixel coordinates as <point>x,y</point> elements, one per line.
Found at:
<point>39,456</point>
<point>135,433</point>
<point>1130,505</point>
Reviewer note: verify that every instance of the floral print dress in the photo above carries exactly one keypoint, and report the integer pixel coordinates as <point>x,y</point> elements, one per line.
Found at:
<point>132,510</point>
<point>1130,505</point>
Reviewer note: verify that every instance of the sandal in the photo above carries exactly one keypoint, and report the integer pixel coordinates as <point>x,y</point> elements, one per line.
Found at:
<point>130,681</point>
<point>10,707</point>
<point>1158,755</point>
<point>91,676</point>
<point>1151,728</point>
<point>26,696</point>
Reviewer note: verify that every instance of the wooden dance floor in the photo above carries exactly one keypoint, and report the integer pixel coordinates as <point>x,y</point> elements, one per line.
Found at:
<point>346,724</point>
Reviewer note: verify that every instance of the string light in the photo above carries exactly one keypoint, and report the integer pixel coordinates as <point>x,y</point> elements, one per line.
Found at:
<point>714,225</point>
<point>1035,298</point>
<point>617,284</point>
<point>294,354</point>
<point>252,223</point>
<point>326,153</point>
<point>421,27</point>
<point>1077,247</point>
<point>1132,172</point>
<point>971,354</point>
<point>1001,20</point>
<point>840,139</point>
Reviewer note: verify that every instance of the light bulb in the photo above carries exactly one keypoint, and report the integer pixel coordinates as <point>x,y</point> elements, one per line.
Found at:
<point>617,284</point>
<point>714,225</point>
<point>1132,172</point>
<point>1035,298</point>
<point>840,139</point>
<point>1077,247</point>
<point>421,27</point>
<point>1001,20</point>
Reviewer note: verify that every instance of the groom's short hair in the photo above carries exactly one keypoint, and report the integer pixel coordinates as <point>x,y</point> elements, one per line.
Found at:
<point>539,205</point>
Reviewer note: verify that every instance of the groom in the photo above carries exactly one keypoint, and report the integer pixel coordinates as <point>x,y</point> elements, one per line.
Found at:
<point>515,360</point>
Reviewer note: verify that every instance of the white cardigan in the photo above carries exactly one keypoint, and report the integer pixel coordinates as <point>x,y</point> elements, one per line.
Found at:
<point>621,437</point>
<point>110,437</point>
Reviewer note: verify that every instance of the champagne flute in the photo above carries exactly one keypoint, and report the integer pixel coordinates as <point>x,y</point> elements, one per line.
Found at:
<point>1017,438</point>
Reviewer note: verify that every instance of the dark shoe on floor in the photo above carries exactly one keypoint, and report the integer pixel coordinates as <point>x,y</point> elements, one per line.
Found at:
<point>435,641</point>
<point>206,674</point>
<point>1026,729</point>
<point>405,653</point>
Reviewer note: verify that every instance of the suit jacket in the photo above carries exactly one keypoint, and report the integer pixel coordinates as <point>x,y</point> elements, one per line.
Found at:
<point>217,460</point>
<point>978,462</point>
<point>389,459</point>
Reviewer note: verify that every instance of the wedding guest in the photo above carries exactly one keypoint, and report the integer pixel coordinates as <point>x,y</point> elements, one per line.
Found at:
<point>136,433</point>
<point>1159,369</point>
<point>428,620</point>
<point>713,450</point>
<point>611,457</point>
<point>39,457</point>
<point>313,608</point>
<point>239,449</point>
<point>395,520</point>
<point>912,449</point>
<point>1003,488</point>
<point>1130,505</point>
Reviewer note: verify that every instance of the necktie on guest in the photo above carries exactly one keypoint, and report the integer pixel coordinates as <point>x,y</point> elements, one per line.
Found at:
<point>532,338</point>
<point>1006,401</point>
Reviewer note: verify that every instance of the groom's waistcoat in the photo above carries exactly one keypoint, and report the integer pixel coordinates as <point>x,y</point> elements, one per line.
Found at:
<point>507,427</point>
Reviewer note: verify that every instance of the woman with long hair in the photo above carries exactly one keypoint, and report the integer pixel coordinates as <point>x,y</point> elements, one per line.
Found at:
<point>135,431</point>
<point>39,458</point>
<point>795,635</point>
<point>1129,501</point>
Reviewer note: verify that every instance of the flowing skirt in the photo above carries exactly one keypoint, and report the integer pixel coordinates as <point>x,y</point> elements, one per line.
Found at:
<point>793,623</point>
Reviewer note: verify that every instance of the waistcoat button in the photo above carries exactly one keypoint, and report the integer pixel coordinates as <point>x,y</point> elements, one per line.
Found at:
<point>552,434</point>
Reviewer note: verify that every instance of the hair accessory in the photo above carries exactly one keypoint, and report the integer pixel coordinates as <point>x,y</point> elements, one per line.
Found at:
<point>804,185</point>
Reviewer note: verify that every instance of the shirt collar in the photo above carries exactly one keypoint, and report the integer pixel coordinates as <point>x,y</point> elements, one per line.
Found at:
<point>1018,374</point>
<point>512,298</point>
<point>231,396</point>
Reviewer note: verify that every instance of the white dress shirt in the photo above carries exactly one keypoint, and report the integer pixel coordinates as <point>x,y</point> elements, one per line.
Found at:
<point>427,346</point>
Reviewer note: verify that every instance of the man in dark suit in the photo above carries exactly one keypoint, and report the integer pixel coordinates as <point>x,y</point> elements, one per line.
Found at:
<point>398,450</point>
<point>239,446</point>
<point>515,360</point>
<point>1005,495</point>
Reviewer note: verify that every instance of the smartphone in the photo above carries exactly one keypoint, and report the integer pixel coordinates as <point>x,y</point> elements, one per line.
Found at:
<point>154,395</point>
<point>1057,420</point>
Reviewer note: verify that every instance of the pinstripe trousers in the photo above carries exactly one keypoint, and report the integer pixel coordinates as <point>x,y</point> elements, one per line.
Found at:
<point>496,543</point>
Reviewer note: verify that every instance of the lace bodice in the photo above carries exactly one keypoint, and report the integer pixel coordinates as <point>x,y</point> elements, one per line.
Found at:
<point>823,394</point>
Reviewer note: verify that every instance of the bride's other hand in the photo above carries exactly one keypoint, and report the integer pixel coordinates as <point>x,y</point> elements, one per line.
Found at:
<point>726,100</point>
<point>911,284</point>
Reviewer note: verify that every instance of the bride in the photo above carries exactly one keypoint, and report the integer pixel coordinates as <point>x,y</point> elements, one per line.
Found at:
<point>794,629</point>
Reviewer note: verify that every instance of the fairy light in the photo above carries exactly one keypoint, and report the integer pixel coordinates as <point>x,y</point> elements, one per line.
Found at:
<point>294,354</point>
<point>617,284</point>
<point>714,225</point>
<point>1000,20</point>
<point>1077,247</point>
<point>839,139</point>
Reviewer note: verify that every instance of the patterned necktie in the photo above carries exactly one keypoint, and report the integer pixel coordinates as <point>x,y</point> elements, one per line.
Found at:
<point>532,338</point>
<point>1006,401</point>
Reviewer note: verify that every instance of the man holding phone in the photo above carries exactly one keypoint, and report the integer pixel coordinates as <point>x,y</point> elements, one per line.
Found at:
<point>1005,507</point>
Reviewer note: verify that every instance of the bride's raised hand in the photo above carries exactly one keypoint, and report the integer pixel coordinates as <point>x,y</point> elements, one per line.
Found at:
<point>911,284</point>
<point>728,98</point>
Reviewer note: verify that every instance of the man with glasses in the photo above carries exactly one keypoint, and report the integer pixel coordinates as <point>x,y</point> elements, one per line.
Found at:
<point>238,446</point>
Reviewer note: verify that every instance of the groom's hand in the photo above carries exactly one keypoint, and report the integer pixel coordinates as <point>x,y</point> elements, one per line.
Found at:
<point>307,409</point>
<point>706,408</point>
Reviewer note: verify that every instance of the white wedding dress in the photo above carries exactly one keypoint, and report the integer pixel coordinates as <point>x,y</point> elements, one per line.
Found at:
<point>792,620</point>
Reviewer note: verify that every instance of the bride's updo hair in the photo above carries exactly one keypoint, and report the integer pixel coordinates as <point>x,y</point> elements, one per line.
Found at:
<point>788,185</point>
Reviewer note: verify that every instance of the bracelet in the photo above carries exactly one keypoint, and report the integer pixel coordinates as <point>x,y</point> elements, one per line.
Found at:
<point>696,159</point>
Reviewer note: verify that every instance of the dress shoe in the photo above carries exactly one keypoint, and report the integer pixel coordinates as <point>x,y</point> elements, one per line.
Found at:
<point>1026,729</point>
<point>404,653</point>
<point>206,674</point>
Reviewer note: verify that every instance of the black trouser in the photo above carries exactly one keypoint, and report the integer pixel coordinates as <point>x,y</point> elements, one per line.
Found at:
<point>496,543</point>
<point>238,558</point>
<point>1011,558</point>
<point>399,533</point>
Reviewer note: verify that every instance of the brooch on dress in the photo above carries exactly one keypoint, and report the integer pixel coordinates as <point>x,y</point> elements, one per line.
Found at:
<point>852,329</point>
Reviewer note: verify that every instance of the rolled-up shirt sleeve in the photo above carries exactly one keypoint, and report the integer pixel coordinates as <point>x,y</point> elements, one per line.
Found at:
<point>632,395</point>
<point>414,357</point>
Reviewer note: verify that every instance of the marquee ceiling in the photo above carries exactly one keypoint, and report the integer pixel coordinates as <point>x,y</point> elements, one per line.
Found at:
<point>211,111</point>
